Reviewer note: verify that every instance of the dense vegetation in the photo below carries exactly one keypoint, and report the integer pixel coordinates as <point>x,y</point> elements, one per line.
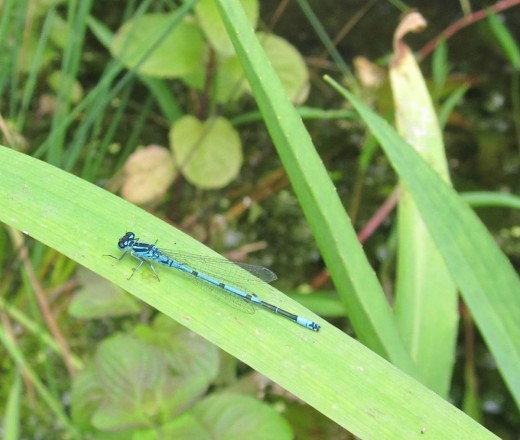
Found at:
<point>254,129</point>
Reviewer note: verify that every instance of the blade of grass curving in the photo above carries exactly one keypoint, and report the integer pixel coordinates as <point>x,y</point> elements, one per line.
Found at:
<point>36,330</point>
<point>53,403</point>
<point>329,370</point>
<point>76,24</point>
<point>322,34</point>
<point>103,93</point>
<point>11,419</point>
<point>13,47</point>
<point>449,104</point>
<point>9,55</point>
<point>489,198</point>
<point>355,280</point>
<point>487,281</point>
<point>506,39</point>
<point>306,113</point>
<point>35,70</point>
<point>159,88</point>
<point>93,162</point>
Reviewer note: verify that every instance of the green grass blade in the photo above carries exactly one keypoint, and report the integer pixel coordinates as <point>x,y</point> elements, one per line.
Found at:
<point>506,39</point>
<point>449,104</point>
<point>37,331</point>
<point>322,34</point>
<point>11,418</point>
<point>440,68</point>
<point>484,275</point>
<point>159,88</point>
<point>31,82</point>
<point>332,372</point>
<point>489,198</point>
<point>355,280</point>
<point>53,403</point>
<point>77,13</point>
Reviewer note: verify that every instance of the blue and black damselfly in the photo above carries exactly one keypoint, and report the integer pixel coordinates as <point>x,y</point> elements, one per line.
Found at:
<point>188,263</point>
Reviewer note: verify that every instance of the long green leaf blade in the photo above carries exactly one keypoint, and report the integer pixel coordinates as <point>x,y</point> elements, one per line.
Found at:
<point>329,370</point>
<point>484,275</point>
<point>353,276</point>
<point>424,290</point>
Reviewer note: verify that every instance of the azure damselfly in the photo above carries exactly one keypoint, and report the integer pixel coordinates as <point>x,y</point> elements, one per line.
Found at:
<point>229,277</point>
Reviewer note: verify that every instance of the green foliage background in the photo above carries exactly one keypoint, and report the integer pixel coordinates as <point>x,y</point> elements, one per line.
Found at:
<point>161,379</point>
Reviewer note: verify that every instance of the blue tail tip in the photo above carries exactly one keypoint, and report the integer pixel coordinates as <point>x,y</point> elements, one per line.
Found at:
<point>314,326</point>
<point>311,325</point>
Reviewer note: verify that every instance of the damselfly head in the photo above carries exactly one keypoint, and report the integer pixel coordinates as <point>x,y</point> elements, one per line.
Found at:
<point>126,241</point>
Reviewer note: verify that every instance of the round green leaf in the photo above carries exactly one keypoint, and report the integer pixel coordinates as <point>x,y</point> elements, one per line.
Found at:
<point>98,298</point>
<point>208,154</point>
<point>179,53</point>
<point>131,374</point>
<point>212,25</point>
<point>139,385</point>
<point>86,396</point>
<point>231,416</point>
<point>229,81</point>
<point>289,65</point>
<point>187,353</point>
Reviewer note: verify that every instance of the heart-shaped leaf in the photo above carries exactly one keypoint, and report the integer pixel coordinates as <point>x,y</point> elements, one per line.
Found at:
<point>209,153</point>
<point>213,27</point>
<point>99,298</point>
<point>289,66</point>
<point>180,51</point>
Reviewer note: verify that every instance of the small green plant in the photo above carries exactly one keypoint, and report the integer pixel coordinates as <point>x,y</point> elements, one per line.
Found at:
<point>154,382</point>
<point>159,380</point>
<point>205,147</point>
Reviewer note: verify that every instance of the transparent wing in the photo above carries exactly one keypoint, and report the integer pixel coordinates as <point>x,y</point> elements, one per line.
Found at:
<point>235,274</point>
<point>229,272</point>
